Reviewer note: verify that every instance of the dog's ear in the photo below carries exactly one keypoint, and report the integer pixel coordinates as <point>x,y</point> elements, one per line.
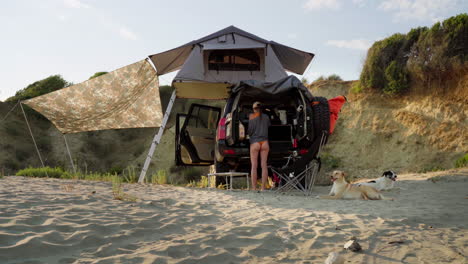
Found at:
<point>387,173</point>
<point>344,174</point>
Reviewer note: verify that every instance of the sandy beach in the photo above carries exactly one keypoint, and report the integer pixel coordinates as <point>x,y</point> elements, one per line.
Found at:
<point>67,221</point>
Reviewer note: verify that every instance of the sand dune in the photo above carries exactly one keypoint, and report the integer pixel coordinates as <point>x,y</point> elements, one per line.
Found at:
<point>63,221</point>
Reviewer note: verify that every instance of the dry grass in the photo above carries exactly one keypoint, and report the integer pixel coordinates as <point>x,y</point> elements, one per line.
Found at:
<point>67,187</point>
<point>118,192</point>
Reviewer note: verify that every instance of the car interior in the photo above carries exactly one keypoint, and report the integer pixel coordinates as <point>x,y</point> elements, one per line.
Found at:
<point>285,112</point>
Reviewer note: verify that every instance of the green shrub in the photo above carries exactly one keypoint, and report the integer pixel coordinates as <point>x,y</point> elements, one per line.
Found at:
<point>44,172</point>
<point>356,88</point>
<point>462,161</point>
<point>58,172</point>
<point>331,77</point>
<point>97,74</point>
<point>379,57</point>
<point>422,55</point>
<point>47,85</point>
<point>396,79</point>
<point>334,77</point>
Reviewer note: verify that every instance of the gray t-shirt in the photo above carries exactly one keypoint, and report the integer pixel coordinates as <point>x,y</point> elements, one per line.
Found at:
<point>258,128</point>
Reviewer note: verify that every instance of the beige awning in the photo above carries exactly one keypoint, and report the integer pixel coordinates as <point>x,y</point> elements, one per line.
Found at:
<point>125,98</point>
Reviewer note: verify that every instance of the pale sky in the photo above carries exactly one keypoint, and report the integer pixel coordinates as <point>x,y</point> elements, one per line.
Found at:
<point>76,38</point>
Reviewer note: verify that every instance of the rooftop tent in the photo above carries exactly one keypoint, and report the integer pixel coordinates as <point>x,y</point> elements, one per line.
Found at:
<point>210,65</point>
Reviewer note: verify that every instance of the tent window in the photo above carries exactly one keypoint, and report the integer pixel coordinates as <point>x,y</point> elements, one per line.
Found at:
<point>234,60</point>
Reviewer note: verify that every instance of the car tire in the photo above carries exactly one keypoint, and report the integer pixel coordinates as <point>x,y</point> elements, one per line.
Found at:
<point>321,116</point>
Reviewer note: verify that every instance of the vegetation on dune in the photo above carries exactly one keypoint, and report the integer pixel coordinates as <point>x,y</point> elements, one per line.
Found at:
<point>356,87</point>
<point>158,178</point>
<point>192,176</point>
<point>45,172</point>
<point>424,55</point>
<point>331,77</point>
<point>462,161</point>
<point>47,85</point>
<point>97,74</point>
<point>59,173</point>
<point>118,192</point>
<point>334,77</point>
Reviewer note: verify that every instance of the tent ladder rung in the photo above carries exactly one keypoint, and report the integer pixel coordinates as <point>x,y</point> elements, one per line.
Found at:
<point>157,138</point>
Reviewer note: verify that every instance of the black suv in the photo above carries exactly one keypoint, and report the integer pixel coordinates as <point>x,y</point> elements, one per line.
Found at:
<point>208,135</point>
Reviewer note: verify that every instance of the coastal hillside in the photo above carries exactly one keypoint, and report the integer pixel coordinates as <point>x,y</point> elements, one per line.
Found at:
<point>423,130</point>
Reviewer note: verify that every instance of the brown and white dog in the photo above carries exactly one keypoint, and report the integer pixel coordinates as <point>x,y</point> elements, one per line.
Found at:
<point>343,190</point>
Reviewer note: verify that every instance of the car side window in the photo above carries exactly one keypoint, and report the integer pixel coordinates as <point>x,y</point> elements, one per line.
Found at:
<point>202,117</point>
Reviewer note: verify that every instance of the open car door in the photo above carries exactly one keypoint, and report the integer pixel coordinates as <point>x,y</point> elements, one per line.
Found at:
<point>195,139</point>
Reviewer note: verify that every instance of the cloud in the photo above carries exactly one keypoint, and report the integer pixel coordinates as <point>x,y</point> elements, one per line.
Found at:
<point>356,44</point>
<point>319,4</point>
<point>359,3</point>
<point>417,9</point>
<point>127,34</point>
<point>105,21</point>
<point>75,4</point>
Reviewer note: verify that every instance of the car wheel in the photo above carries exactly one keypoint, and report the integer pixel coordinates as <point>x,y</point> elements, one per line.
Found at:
<point>321,116</point>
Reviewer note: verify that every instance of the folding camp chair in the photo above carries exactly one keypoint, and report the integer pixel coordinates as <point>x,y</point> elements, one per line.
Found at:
<point>297,179</point>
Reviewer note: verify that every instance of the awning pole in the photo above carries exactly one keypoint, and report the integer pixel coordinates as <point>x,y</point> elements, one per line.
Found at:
<point>157,138</point>
<point>69,154</point>
<point>32,136</point>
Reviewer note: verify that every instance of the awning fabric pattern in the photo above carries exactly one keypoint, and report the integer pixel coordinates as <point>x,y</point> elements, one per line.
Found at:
<point>125,98</point>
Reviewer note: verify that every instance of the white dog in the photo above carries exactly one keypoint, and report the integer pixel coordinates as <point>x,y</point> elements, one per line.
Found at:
<point>383,183</point>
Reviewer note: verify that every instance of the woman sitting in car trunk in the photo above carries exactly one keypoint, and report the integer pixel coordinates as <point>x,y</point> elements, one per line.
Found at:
<point>258,137</point>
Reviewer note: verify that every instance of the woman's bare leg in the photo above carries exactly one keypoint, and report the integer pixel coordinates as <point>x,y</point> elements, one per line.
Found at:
<point>265,148</point>
<point>254,150</point>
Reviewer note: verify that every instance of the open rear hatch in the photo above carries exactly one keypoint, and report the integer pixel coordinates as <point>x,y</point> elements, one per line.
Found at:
<point>287,113</point>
